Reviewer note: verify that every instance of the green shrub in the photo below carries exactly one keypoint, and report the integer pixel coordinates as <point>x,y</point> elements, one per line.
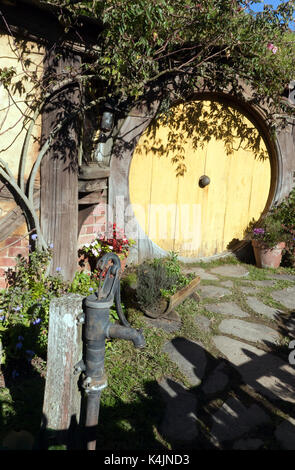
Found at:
<point>24,306</point>
<point>158,279</point>
<point>285,213</point>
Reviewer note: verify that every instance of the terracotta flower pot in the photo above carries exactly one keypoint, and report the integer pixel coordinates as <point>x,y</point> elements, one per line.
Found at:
<point>267,257</point>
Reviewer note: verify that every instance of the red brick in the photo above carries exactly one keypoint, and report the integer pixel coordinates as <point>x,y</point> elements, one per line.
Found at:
<point>83,230</point>
<point>10,240</point>
<point>14,251</point>
<point>84,239</point>
<point>99,209</point>
<point>25,242</point>
<point>100,219</point>
<point>90,229</point>
<point>89,220</point>
<point>7,262</point>
<point>2,283</point>
<point>4,253</point>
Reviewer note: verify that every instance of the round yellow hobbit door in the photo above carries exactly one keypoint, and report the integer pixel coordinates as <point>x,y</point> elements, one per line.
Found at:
<point>198,176</point>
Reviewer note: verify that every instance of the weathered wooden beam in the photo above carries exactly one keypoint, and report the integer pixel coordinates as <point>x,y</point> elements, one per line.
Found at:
<point>59,168</point>
<point>62,398</point>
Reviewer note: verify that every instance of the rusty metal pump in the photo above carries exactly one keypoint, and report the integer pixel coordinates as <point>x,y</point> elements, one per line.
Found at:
<point>97,329</point>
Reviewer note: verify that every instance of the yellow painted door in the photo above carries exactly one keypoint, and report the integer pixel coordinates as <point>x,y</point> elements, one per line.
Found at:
<point>173,210</point>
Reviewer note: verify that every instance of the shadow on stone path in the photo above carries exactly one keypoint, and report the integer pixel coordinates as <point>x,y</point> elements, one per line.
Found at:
<point>243,398</point>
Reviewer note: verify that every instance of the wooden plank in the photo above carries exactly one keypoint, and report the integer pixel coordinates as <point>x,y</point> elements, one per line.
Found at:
<point>165,309</point>
<point>62,398</point>
<point>92,171</point>
<point>59,169</point>
<point>92,198</point>
<point>182,294</point>
<point>92,185</point>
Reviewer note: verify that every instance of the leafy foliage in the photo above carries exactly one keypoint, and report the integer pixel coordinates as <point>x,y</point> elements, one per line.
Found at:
<point>158,279</point>
<point>278,225</point>
<point>216,40</point>
<point>24,306</point>
<point>285,212</point>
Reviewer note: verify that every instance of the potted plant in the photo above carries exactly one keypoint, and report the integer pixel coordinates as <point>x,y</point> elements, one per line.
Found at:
<point>285,212</point>
<point>161,287</point>
<point>114,241</point>
<point>269,241</point>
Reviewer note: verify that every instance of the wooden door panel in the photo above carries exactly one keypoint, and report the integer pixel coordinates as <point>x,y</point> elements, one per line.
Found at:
<point>175,212</point>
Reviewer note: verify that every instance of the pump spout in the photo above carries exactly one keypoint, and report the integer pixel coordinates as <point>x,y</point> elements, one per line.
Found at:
<point>123,332</point>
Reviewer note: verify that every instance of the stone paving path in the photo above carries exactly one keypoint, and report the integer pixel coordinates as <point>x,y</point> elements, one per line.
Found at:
<point>242,386</point>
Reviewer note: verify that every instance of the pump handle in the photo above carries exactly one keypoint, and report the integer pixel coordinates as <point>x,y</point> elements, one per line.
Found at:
<point>111,285</point>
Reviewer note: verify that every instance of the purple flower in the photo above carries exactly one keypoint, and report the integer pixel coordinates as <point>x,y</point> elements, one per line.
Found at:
<point>51,245</point>
<point>258,231</point>
<point>16,309</point>
<point>90,289</point>
<point>58,269</point>
<point>30,352</point>
<point>34,237</point>
<point>2,318</point>
<point>20,338</point>
<point>14,374</point>
<point>19,345</point>
<point>38,320</point>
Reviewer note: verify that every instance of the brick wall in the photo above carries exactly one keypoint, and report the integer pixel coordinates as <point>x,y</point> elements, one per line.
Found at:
<point>94,224</point>
<point>9,250</point>
<point>17,244</point>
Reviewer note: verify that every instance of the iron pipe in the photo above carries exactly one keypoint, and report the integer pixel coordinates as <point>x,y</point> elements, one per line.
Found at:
<point>124,332</point>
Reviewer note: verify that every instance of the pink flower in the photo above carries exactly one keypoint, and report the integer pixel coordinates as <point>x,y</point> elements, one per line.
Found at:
<point>272,47</point>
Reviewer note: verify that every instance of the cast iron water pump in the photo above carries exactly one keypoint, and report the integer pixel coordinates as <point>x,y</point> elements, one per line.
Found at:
<point>97,329</point>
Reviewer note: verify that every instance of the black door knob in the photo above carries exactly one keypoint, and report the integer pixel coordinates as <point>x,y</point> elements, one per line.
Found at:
<point>204,181</point>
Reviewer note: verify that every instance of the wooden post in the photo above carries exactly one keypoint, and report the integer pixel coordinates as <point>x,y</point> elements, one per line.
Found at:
<point>62,398</point>
<point>59,168</point>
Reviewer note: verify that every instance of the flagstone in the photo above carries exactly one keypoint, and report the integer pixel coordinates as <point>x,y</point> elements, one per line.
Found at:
<point>203,322</point>
<point>286,297</point>
<point>213,291</point>
<point>190,356</point>
<point>227,308</point>
<point>216,381</point>
<point>265,372</point>
<point>254,332</point>
<point>230,270</point>
<point>262,309</point>
<point>233,420</point>
<point>180,420</point>
<point>200,272</point>
<point>285,434</point>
